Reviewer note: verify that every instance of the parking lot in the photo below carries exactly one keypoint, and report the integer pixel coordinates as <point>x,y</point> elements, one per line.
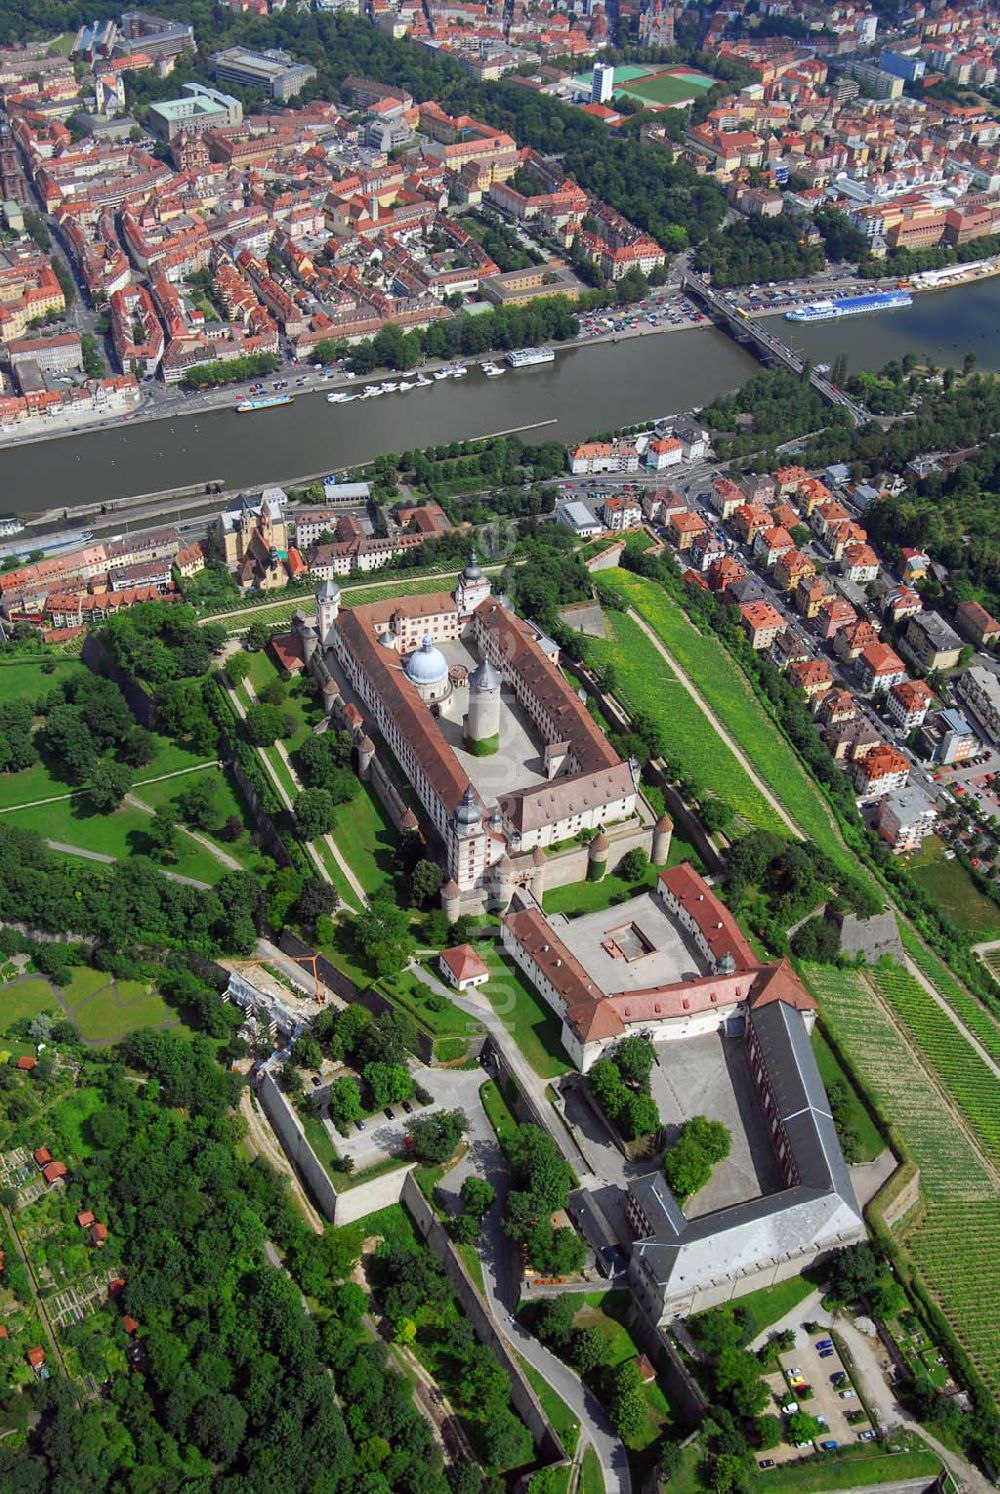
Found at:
<point>808,1366</point>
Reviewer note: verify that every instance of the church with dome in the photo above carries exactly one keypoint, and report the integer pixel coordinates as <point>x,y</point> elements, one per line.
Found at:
<point>501,751</point>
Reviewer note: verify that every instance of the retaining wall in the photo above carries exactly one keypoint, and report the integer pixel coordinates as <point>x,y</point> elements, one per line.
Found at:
<point>140,703</point>
<point>340,1208</point>
<point>523,1398</point>
<point>272,841</point>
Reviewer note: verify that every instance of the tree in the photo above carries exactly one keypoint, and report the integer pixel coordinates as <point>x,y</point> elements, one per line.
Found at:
<point>426,882</point>
<point>109,784</point>
<point>477,1195</point>
<point>317,900</point>
<point>854,1272</point>
<point>344,1102</point>
<point>382,934</point>
<point>388,1083</point>
<point>802,1427</point>
<point>634,1058</point>
<point>626,1402</point>
<point>632,867</point>
<point>196,805</point>
<point>436,1136</point>
<point>283,890</point>
<point>220,1424</point>
<point>688,1165</point>
<point>314,813</point>
<point>307,1051</point>
<point>264,724</point>
<point>554,1321</point>
<point>161,832</point>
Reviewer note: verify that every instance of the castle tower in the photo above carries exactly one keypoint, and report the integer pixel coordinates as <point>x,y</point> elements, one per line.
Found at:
<point>467,842</point>
<point>327,609</point>
<point>538,874</point>
<point>482,720</point>
<point>597,858</point>
<point>366,753</point>
<point>451,900</point>
<point>661,840</point>
<point>308,636</point>
<point>472,588</point>
<point>501,883</point>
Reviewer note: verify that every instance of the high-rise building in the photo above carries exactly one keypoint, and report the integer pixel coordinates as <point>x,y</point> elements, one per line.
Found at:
<point>603,85</point>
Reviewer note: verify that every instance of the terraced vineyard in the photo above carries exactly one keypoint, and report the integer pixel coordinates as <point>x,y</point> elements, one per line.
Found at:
<point>644,684</point>
<point>984,1027</point>
<point>964,1075</point>
<point>956,1243</point>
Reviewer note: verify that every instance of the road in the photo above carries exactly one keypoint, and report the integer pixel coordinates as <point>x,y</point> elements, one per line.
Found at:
<point>501,1273</point>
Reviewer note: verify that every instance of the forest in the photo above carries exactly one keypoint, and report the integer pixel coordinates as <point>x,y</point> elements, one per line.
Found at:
<point>243,1386</point>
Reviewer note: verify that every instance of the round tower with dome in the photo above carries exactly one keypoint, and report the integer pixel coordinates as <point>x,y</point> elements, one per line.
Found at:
<point>427,670</point>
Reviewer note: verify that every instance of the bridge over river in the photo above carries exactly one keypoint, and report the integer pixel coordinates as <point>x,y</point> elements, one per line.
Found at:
<point>768,346</point>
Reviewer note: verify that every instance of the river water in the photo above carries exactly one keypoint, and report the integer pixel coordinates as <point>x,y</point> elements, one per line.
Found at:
<point>586,390</point>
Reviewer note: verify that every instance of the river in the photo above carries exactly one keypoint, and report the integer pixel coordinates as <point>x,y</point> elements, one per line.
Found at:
<point>586,390</point>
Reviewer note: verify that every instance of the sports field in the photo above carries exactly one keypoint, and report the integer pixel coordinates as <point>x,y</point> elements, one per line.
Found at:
<point>675,87</point>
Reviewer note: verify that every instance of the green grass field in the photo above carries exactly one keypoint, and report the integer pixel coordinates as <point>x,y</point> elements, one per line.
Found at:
<point>564,1423</point>
<point>229,804</point>
<point>121,835</point>
<point>274,614</point>
<point>24,679</point>
<point>644,683</point>
<point>72,1114</point>
<point>532,1025</point>
<point>591,1475</point>
<point>953,890</point>
<point>870,1143</point>
<point>101,1009</point>
<point>666,90</point>
<point>26,998</point>
<point>725,688</point>
<point>844,1471</point>
<point>38,782</point>
<point>770,1304</point>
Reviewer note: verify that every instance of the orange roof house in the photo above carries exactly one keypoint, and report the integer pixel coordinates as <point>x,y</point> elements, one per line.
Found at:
<point>42,1156</point>
<point>54,1171</point>
<point>35,1357</point>
<point>85,1219</point>
<point>26,1063</point>
<point>463,967</point>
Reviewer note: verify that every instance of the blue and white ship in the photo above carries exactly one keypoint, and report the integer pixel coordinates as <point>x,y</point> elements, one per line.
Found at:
<point>828,311</point>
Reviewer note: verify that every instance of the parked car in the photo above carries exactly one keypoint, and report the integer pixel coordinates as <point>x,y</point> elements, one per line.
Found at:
<point>826,1353</point>
<point>387,1112</point>
<point>830,1445</point>
<point>838,1377</point>
<point>766,1463</point>
<point>847,1395</point>
<point>407,1107</point>
<point>360,1125</point>
<point>824,1343</point>
<point>867,1436</point>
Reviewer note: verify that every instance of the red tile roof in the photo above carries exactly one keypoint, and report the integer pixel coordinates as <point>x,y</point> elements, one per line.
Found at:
<point>464,963</point>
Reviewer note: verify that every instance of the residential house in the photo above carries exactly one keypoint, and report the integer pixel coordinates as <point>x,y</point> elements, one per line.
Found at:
<point>880,772</point>
<point>931,642</point>
<point>603,456</point>
<point>705,549</point>
<point>682,529</point>
<point>905,818</point>
<point>761,622</point>
<point>809,595</point>
<point>859,564</point>
<point>850,643</point>
<point>879,668</point>
<point>908,703</point>
<point>976,625</point>
<point>833,614</point>
<point>849,741</point>
<point>901,602</point>
<point>835,707</point>
<point>726,497</point>
<point>949,737</point>
<point>725,573</point>
<point>980,690</point>
<point>812,677</point>
<point>792,569</point>
<point>621,513</point>
<point>663,451</point>
<point>916,564</point>
<point>749,520</point>
<point>787,649</point>
<point>770,544</point>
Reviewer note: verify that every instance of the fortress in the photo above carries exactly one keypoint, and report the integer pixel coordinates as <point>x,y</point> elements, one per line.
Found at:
<point>510,768</point>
